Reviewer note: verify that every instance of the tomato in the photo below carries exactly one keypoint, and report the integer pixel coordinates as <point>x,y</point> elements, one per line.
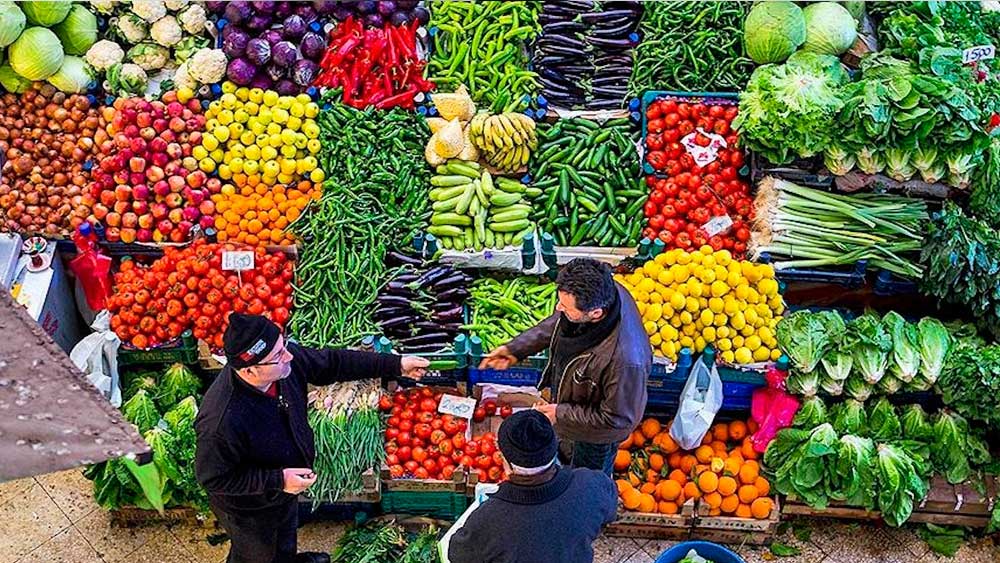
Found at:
<point>450,427</point>
<point>498,459</point>
<point>256,307</point>
<point>495,474</point>
<point>656,125</point>
<point>438,436</point>
<point>445,446</point>
<point>458,440</point>
<point>479,414</point>
<point>683,240</point>
<point>396,471</point>
<point>424,417</point>
<point>655,142</point>
<point>447,472</point>
<point>649,209</point>
<point>429,405</point>
<point>430,465</point>
<point>404,453</point>
<point>656,221</point>
<point>421,473</point>
<point>437,424</point>
<point>471,448</point>
<point>487,447</point>
<point>391,433</point>
<point>484,462</point>
<point>656,159</point>
<point>671,120</point>
<point>742,234</point>
<point>407,414</point>
<point>399,398</point>
<point>419,455</point>
<point>425,392</point>
<point>422,431</point>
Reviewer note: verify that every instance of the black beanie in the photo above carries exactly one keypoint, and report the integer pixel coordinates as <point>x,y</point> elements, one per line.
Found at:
<point>527,439</point>
<point>248,339</point>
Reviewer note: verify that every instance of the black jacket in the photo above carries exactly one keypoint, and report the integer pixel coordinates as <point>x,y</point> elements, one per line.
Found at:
<point>555,522</point>
<point>603,397</point>
<point>245,437</point>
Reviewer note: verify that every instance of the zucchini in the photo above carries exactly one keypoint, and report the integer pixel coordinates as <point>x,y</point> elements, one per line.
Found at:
<point>450,180</point>
<point>466,199</point>
<point>504,199</point>
<point>451,219</point>
<point>445,230</point>
<point>443,194</point>
<point>510,215</point>
<point>509,226</point>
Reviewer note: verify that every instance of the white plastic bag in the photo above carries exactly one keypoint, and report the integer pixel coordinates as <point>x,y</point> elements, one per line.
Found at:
<point>97,357</point>
<point>700,400</point>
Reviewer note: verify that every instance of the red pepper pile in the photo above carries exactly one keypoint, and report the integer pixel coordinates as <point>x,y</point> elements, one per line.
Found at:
<point>375,67</point>
<point>687,198</point>
<point>188,289</point>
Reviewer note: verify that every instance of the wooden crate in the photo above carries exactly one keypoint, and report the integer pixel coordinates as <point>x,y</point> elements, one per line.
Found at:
<point>733,530</point>
<point>457,484</point>
<point>134,517</point>
<point>946,504</point>
<point>653,526</point>
<point>206,362</point>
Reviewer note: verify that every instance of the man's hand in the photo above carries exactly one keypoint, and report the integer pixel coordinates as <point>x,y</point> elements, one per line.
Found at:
<point>298,479</point>
<point>414,367</point>
<point>548,409</point>
<point>500,358</point>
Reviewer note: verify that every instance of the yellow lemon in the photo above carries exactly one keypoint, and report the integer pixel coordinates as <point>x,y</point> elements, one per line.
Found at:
<point>775,354</point>
<point>686,342</point>
<point>691,304</point>
<point>681,273</point>
<point>677,301</point>
<point>743,356</point>
<point>655,297</point>
<point>737,321</point>
<point>650,327</point>
<point>690,330</point>
<point>683,258</point>
<point>686,317</point>
<point>722,332</point>
<point>719,289</point>
<point>695,289</point>
<point>728,357</point>
<point>699,343</point>
<point>669,350</point>
<point>742,291</point>
<point>707,318</point>
<point>724,344</point>
<point>653,312</point>
<point>721,320</point>
<point>752,342</point>
<point>708,333</point>
<point>750,315</point>
<point>655,339</point>
<point>646,285</point>
<point>761,355</point>
<point>652,269</point>
<point>716,305</point>
<point>723,257</point>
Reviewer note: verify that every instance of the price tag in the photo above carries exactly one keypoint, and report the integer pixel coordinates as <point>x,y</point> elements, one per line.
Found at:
<point>978,53</point>
<point>717,225</point>
<point>703,154</point>
<point>237,260</point>
<point>462,407</point>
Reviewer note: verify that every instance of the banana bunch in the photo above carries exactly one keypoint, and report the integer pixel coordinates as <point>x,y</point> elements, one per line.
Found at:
<point>504,140</point>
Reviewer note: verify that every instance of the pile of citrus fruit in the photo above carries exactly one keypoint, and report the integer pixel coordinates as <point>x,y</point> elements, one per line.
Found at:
<point>705,297</point>
<point>258,214</point>
<point>654,475</point>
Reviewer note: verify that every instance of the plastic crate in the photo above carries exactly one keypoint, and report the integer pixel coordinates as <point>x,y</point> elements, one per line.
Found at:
<point>459,355</point>
<point>851,277</point>
<point>648,97</point>
<point>527,372</point>
<point>887,284</point>
<point>184,351</point>
<point>435,504</point>
<point>809,172</point>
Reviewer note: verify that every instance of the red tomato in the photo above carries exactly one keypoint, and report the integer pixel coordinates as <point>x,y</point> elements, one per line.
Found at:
<point>391,433</point>
<point>495,474</point>
<point>649,209</point>
<point>421,473</point>
<point>656,159</point>
<point>498,459</point>
<point>458,440</point>
<point>446,447</point>
<point>422,431</point>
<point>438,436</point>
<point>450,427</point>
<point>429,405</point>
<point>487,448</point>
<point>471,448</point>
<point>406,414</point>
<point>447,472</point>
<point>404,453</point>
<point>396,471</point>
<point>655,142</point>
<point>404,438</point>
<point>430,465</point>
<point>424,417</point>
<point>419,455</point>
<point>479,414</point>
<point>656,221</point>
<point>656,125</point>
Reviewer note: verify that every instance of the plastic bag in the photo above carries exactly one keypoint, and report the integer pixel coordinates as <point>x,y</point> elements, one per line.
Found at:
<point>96,355</point>
<point>772,407</point>
<point>700,400</point>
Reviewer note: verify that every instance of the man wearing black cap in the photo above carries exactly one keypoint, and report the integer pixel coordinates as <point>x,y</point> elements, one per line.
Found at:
<point>599,361</point>
<point>543,512</point>
<point>255,447</point>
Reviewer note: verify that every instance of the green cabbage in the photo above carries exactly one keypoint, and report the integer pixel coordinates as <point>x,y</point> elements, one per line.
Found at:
<point>803,468</point>
<point>37,54</point>
<point>849,417</point>
<point>11,22</point>
<point>883,422</point>
<point>773,31</point>
<point>74,76</point>
<point>811,413</point>
<point>830,28</point>
<point>78,31</point>
<point>806,337</point>
<point>46,12</point>
<point>12,81</point>
<point>141,411</point>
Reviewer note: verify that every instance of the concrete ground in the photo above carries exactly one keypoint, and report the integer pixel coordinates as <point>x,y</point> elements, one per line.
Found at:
<point>54,519</point>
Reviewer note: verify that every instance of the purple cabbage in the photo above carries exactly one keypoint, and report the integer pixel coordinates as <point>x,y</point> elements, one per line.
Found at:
<point>373,20</point>
<point>275,72</point>
<point>237,11</point>
<point>286,88</point>
<point>294,27</point>
<point>304,72</point>
<point>284,9</point>
<point>312,46</point>
<point>259,22</point>
<point>285,54</point>
<point>273,36</point>
<point>262,81</point>
<point>234,43</point>
<point>264,6</point>
<point>241,72</point>
<point>366,7</point>
<point>258,51</point>
<point>386,7</point>
<point>421,15</point>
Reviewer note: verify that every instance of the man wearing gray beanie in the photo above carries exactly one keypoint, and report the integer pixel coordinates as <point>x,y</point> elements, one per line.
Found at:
<point>544,512</point>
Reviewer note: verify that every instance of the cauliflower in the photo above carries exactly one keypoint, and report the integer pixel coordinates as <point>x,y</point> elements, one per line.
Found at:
<point>149,56</point>
<point>166,31</point>
<point>104,6</point>
<point>174,5</point>
<point>193,19</point>
<point>149,10</point>
<point>188,47</point>
<point>207,66</point>
<point>126,79</point>
<point>132,28</point>
<point>104,54</point>
<point>182,78</point>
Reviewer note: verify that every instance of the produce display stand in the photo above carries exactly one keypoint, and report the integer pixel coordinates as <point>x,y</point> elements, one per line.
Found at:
<point>654,526</point>
<point>444,500</point>
<point>945,505</point>
<point>734,530</point>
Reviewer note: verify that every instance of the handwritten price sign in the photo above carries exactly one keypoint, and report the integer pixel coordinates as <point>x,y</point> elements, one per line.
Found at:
<point>237,260</point>
<point>979,53</point>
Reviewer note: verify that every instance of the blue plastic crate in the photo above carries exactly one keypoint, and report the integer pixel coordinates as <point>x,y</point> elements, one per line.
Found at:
<point>851,277</point>
<point>887,284</point>
<point>526,373</point>
<point>711,551</point>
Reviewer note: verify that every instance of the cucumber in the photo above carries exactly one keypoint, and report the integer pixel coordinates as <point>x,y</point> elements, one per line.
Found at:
<point>442,194</point>
<point>445,230</point>
<point>480,224</point>
<point>532,192</point>
<point>503,199</point>
<point>466,199</point>
<point>490,239</point>
<point>445,205</point>
<point>481,193</point>
<point>474,207</point>
<point>461,169</point>
<point>470,238</point>
<point>512,215</point>
<point>509,226</point>
<point>512,187</point>
<point>451,219</point>
<point>487,181</point>
<point>451,180</point>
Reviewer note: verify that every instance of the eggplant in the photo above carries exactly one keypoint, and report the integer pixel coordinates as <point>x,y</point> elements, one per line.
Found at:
<point>428,338</point>
<point>406,278</point>
<point>452,294</point>
<point>399,288</point>
<point>597,17</point>
<point>456,310</point>
<point>403,321</point>
<point>393,258</point>
<point>432,275</point>
<point>424,348</point>
<point>457,280</point>
<point>611,43</point>
<point>392,300</point>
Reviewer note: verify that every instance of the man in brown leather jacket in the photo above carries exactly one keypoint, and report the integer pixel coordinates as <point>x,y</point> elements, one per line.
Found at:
<point>599,360</point>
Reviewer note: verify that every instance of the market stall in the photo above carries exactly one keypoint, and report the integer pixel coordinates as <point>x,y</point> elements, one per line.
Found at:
<point>801,198</point>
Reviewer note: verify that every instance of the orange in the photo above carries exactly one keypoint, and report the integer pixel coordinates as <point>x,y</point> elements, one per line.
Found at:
<point>737,430</point>
<point>720,432</point>
<point>729,504</point>
<point>622,460</point>
<point>631,499</point>
<point>634,479</point>
<point>669,489</point>
<point>667,507</point>
<point>704,454</point>
<point>656,462</point>
<point>732,466</point>
<point>713,500</point>
<point>761,508</point>
<point>719,447</point>
<point>638,439</point>
<point>626,443</point>
<point>652,476</point>
<point>717,465</point>
<point>743,511</point>
<point>687,463</point>
<point>650,427</point>
<point>647,503</point>
<point>749,472</point>
<point>674,460</point>
<point>752,426</point>
<point>691,490</point>
<point>707,439</point>
<point>679,476</point>
<point>762,485</point>
<point>622,485</point>
<point>647,488</point>
<point>708,482</point>
<point>714,512</point>
<point>748,493</point>
<point>747,449</point>
<point>727,486</point>
<point>668,444</point>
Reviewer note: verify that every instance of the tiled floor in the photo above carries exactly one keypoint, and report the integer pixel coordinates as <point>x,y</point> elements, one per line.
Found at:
<point>54,519</point>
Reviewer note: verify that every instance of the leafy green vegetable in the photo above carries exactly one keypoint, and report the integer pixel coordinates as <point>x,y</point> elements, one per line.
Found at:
<point>849,417</point>
<point>805,337</point>
<point>830,28</point>
<point>773,31</point>
<point>811,413</point>
<point>37,54</point>
<point>934,345</point>
<point>942,540</point>
<point>857,388</point>
<point>853,478</point>
<point>905,351</point>
<point>900,483</point>
<point>11,22</point>
<point>883,421</point>
<point>781,550</point>
<point>871,350</point>
<point>78,31</point>
<point>916,425</point>
<point>74,76</point>
<point>807,466</point>
<point>141,411</point>
<point>176,383</point>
